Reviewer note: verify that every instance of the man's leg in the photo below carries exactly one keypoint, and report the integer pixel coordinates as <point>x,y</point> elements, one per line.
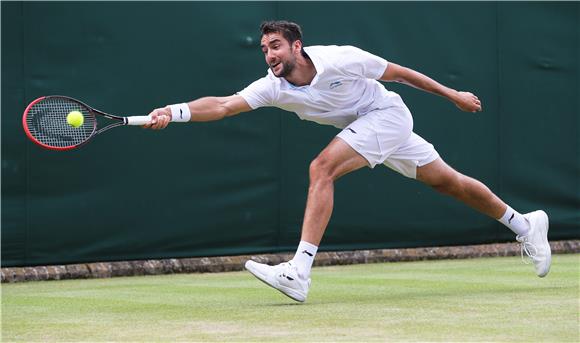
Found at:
<point>336,160</point>
<point>532,228</point>
<point>293,278</point>
<point>446,180</point>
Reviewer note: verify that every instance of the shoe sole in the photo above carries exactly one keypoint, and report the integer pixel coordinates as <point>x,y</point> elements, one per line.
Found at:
<point>545,238</point>
<point>284,290</point>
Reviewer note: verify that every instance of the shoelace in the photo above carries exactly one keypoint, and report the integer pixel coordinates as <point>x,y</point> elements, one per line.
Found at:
<point>528,248</point>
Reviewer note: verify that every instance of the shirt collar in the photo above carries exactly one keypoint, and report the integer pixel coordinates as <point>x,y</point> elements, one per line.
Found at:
<point>317,64</point>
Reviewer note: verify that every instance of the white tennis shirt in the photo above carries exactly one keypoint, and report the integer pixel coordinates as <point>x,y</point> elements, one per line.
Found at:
<point>343,89</point>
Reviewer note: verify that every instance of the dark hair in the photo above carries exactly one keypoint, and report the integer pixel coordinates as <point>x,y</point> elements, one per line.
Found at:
<point>289,30</point>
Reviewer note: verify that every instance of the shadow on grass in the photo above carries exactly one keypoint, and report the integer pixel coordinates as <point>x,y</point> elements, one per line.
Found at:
<point>413,294</point>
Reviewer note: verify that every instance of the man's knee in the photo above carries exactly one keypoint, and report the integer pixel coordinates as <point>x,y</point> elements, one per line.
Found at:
<point>441,177</point>
<point>320,169</point>
<point>449,184</point>
<point>336,160</point>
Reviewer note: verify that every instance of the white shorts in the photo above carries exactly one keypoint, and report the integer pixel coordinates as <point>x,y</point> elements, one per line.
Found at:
<point>385,136</point>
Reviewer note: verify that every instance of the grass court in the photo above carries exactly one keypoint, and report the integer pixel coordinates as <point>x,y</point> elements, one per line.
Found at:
<point>488,299</point>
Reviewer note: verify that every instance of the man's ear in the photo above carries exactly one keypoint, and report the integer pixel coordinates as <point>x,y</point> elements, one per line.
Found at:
<point>297,45</point>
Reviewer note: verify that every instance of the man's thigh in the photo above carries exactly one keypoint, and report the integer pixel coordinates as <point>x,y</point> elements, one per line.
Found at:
<point>339,158</point>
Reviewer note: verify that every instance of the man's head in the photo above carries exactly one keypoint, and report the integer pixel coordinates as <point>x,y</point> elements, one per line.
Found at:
<point>282,44</point>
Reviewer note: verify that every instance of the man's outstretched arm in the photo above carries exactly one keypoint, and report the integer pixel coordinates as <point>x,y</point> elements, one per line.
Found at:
<point>466,101</point>
<point>202,109</point>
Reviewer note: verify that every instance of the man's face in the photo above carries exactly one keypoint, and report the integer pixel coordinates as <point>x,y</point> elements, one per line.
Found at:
<point>279,54</point>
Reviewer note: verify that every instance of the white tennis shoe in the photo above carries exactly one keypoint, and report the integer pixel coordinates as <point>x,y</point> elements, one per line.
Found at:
<point>535,243</point>
<point>283,277</point>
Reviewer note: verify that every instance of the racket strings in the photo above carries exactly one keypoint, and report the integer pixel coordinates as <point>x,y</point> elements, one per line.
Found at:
<point>47,123</point>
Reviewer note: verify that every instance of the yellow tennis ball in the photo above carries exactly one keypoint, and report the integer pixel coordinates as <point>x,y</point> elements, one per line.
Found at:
<point>75,119</point>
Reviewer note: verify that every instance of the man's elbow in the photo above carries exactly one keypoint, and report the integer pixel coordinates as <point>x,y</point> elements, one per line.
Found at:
<point>221,112</point>
<point>225,110</point>
<point>395,73</point>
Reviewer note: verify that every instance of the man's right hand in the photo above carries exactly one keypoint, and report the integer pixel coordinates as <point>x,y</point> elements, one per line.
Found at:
<point>467,102</point>
<point>160,118</point>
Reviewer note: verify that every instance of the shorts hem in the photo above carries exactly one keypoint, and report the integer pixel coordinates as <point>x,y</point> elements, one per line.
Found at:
<point>350,144</point>
<point>434,156</point>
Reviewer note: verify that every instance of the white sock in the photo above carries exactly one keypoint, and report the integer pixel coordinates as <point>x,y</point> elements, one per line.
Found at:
<point>515,222</point>
<point>304,258</point>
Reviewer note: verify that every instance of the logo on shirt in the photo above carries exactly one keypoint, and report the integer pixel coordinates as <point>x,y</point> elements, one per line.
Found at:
<point>335,84</point>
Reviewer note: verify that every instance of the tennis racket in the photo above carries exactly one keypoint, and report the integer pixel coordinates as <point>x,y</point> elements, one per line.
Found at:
<point>45,122</point>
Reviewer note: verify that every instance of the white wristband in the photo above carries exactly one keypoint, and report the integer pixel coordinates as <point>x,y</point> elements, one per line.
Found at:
<point>180,113</point>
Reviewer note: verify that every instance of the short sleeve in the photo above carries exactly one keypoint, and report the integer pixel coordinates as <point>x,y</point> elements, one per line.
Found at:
<point>359,63</point>
<point>259,94</point>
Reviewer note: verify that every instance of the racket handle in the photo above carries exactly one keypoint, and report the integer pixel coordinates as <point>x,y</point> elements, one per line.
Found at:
<point>137,120</point>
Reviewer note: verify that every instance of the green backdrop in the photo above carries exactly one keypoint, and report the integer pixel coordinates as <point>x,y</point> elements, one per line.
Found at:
<point>239,185</point>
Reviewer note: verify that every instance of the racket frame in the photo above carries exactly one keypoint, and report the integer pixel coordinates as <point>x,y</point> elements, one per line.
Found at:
<point>120,121</point>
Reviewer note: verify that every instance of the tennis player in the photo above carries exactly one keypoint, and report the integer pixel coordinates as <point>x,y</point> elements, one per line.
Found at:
<point>338,86</point>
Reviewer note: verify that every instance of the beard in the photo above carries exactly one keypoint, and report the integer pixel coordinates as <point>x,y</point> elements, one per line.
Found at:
<point>287,68</point>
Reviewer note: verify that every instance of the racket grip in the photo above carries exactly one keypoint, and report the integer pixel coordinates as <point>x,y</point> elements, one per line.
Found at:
<point>137,120</point>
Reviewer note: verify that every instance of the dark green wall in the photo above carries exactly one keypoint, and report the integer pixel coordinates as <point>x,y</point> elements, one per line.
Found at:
<point>239,185</point>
